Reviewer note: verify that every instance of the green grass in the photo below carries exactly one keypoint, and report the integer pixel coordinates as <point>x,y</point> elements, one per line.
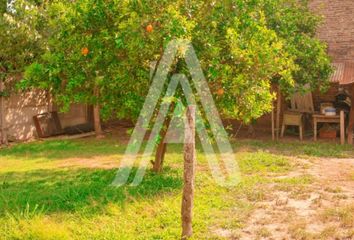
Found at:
<point>262,162</point>
<point>303,149</point>
<point>60,190</point>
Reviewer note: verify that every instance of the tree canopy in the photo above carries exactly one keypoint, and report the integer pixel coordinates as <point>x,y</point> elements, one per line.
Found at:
<point>100,51</point>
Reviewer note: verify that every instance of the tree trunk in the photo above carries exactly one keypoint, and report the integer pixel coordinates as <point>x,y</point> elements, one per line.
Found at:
<point>161,148</point>
<point>351,119</point>
<point>189,171</point>
<point>251,131</point>
<point>96,116</point>
<point>97,121</point>
<point>160,156</point>
<point>3,139</point>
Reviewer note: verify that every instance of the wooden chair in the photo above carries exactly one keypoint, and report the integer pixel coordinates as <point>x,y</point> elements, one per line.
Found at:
<point>300,105</point>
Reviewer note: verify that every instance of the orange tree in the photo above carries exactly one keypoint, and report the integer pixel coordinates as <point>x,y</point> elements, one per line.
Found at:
<point>99,51</point>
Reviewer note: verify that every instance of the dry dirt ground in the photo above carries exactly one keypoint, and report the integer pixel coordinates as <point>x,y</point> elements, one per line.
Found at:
<point>315,201</point>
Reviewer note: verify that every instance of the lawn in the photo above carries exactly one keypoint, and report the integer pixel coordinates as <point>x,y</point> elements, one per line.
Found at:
<point>60,190</point>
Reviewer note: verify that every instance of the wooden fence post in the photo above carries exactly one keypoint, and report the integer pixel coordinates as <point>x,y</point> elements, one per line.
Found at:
<point>189,171</point>
<point>279,98</point>
<point>342,127</point>
<point>272,118</point>
<point>351,119</point>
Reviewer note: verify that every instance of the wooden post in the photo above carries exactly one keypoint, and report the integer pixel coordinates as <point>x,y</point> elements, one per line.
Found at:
<point>278,112</point>
<point>315,129</point>
<point>342,128</point>
<point>351,119</point>
<point>350,127</point>
<point>273,130</point>
<point>189,170</point>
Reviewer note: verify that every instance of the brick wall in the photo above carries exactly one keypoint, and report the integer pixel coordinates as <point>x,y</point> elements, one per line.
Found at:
<point>337,28</point>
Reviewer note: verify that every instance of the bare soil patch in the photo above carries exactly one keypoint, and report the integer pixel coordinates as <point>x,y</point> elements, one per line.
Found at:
<point>321,207</point>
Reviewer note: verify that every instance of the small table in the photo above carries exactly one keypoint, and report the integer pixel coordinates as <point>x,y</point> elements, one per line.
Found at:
<point>321,118</point>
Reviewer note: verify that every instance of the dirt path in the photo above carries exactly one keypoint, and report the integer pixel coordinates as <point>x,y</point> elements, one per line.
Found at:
<point>315,201</point>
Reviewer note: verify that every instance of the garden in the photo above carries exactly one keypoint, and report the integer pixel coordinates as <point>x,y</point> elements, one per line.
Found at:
<point>60,190</point>
<point>113,67</point>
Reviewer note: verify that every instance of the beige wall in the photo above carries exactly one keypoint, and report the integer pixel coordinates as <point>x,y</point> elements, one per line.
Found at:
<point>20,109</point>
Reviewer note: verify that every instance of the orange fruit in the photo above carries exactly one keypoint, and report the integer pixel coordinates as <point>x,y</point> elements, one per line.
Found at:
<point>149,28</point>
<point>85,51</point>
<point>220,92</point>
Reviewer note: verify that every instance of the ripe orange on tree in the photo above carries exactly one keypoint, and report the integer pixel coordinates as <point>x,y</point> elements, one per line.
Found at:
<point>149,28</point>
<point>85,51</point>
<point>220,92</point>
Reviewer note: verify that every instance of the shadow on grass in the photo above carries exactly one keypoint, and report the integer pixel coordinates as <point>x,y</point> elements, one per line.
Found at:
<point>60,149</point>
<point>77,190</point>
<point>91,147</point>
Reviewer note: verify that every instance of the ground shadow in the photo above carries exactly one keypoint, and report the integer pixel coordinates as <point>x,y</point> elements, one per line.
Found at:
<point>77,190</point>
<point>61,149</point>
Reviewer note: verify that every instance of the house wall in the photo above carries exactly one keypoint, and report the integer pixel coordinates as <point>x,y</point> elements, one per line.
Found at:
<point>337,30</point>
<point>20,109</point>
<point>78,114</point>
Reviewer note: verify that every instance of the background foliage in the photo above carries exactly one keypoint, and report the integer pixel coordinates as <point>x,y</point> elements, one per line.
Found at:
<point>20,43</point>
